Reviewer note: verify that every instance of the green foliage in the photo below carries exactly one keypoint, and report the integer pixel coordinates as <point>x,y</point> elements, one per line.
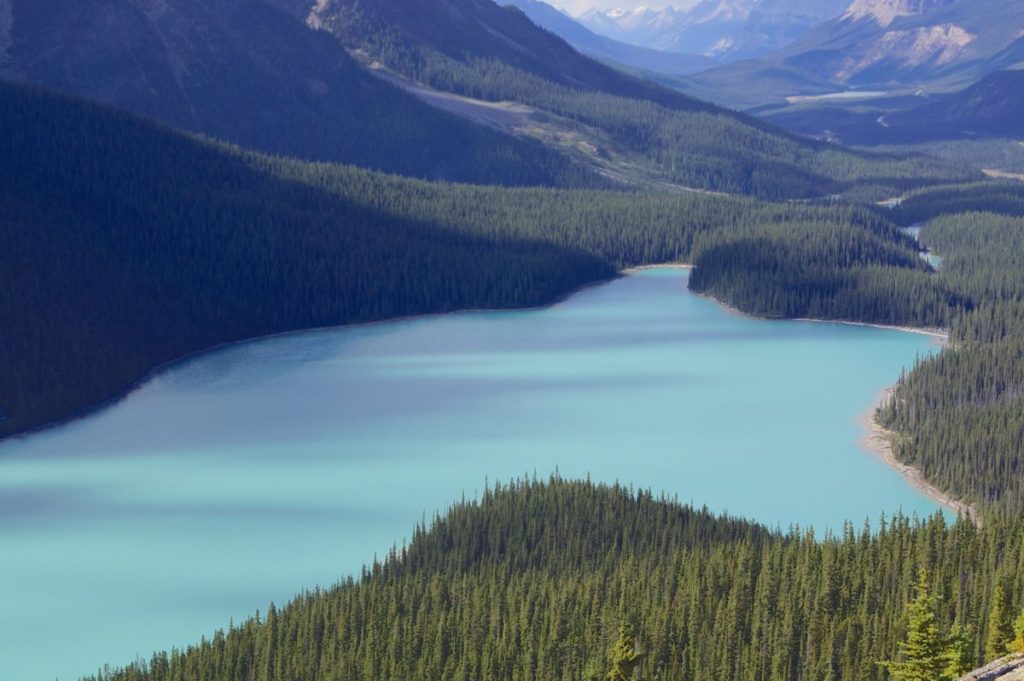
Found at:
<point>1000,621</point>
<point>151,245</point>
<point>960,413</point>
<point>680,140</point>
<point>623,658</point>
<point>1003,197</point>
<point>959,653</point>
<point>532,582</point>
<point>1017,645</point>
<point>923,655</point>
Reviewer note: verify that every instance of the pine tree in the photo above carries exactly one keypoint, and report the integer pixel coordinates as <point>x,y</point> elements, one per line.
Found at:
<point>1000,626</point>
<point>923,652</point>
<point>623,658</point>
<point>1018,640</point>
<point>959,651</point>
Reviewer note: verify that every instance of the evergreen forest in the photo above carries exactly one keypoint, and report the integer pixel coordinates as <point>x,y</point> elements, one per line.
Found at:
<point>126,244</point>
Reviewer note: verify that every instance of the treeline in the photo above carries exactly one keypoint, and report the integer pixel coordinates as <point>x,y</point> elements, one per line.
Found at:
<point>821,271</point>
<point>1003,197</point>
<point>679,139</point>
<point>960,414</point>
<point>127,245</point>
<point>534,581</point>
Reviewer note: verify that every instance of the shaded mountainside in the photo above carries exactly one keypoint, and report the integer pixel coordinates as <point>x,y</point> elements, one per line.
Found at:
<point>244,71</point>
<point>464,30</point>
<point>127,245</point>
<point>991,108</point>
<point>535,580</point>
<point>632,130</point>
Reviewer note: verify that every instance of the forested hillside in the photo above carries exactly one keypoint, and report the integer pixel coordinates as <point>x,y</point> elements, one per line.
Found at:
<point>961,414</point>
<point>626,126</point>
<point>247,72</point>
<point>536,579</point>
<point>150,245</point>
<point>126,245</point>
<point>1005,198</point>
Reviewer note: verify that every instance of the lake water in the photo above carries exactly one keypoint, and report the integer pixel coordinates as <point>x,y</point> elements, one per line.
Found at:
<point>247,474</point>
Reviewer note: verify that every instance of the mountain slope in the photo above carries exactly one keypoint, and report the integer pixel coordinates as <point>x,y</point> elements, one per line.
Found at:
<point>607,49</point>
<point>632,130</point>
<point>244,71</point>
<point>991,108</point>
<point>889,43</point>
<point>891,46</point>
<point>126,245</point>
<point>463,30</point>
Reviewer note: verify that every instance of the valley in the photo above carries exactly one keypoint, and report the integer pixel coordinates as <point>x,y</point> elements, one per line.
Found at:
<point>347,340</point>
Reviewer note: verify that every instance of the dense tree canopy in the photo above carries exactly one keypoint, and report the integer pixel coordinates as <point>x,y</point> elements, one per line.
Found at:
<point>535,579</point>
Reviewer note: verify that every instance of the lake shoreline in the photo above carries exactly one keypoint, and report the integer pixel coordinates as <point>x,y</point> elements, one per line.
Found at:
<point>878,441</point>
<point>91,409</point>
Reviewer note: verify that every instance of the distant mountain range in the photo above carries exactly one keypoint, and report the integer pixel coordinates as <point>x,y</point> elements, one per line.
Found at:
<point>883,45</point>
<point>608,49</point>
<point>487,62</point>
<point>726,30</point>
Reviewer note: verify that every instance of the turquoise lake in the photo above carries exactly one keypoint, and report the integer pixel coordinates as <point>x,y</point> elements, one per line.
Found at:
<point>252,472</point>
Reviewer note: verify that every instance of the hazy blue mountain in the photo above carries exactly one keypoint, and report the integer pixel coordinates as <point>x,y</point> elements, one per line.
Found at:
<point>724,29</point>
<point>898,43</point>
<point>608,49</point>
<point>891,46</point>
<point>991,108</point>
<point>246,72</point>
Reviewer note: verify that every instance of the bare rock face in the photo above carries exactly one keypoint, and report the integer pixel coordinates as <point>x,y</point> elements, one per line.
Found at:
<point>1009,668</point>
<point>937,45</point>
<point>887,11</point>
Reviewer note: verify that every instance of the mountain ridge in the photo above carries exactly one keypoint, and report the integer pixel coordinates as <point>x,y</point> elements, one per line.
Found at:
<point>726,30</point>
<point>248,72</point>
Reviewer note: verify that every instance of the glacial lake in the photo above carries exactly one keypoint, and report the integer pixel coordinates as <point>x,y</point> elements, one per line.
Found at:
<point>250,473</point>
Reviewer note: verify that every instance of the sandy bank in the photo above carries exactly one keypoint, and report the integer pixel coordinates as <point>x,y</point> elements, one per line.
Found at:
<point>663,266</point>
<point>879,441</point>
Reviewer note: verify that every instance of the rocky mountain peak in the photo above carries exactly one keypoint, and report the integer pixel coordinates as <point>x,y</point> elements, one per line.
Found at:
<point>887,11</point>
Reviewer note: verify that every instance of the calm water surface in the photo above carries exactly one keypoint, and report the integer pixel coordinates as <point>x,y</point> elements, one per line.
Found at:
<point>250,473</point>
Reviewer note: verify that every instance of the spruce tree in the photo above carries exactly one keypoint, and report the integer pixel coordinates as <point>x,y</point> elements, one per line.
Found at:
<point>1018,640</point>
<point>923,651</point>
<point>959,651</point>
<point>623,658</point>
<point>1000,624</point>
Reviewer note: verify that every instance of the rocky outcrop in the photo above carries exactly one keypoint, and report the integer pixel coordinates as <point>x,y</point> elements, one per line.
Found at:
<point>935,45</point>
<point>1009,668</point>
